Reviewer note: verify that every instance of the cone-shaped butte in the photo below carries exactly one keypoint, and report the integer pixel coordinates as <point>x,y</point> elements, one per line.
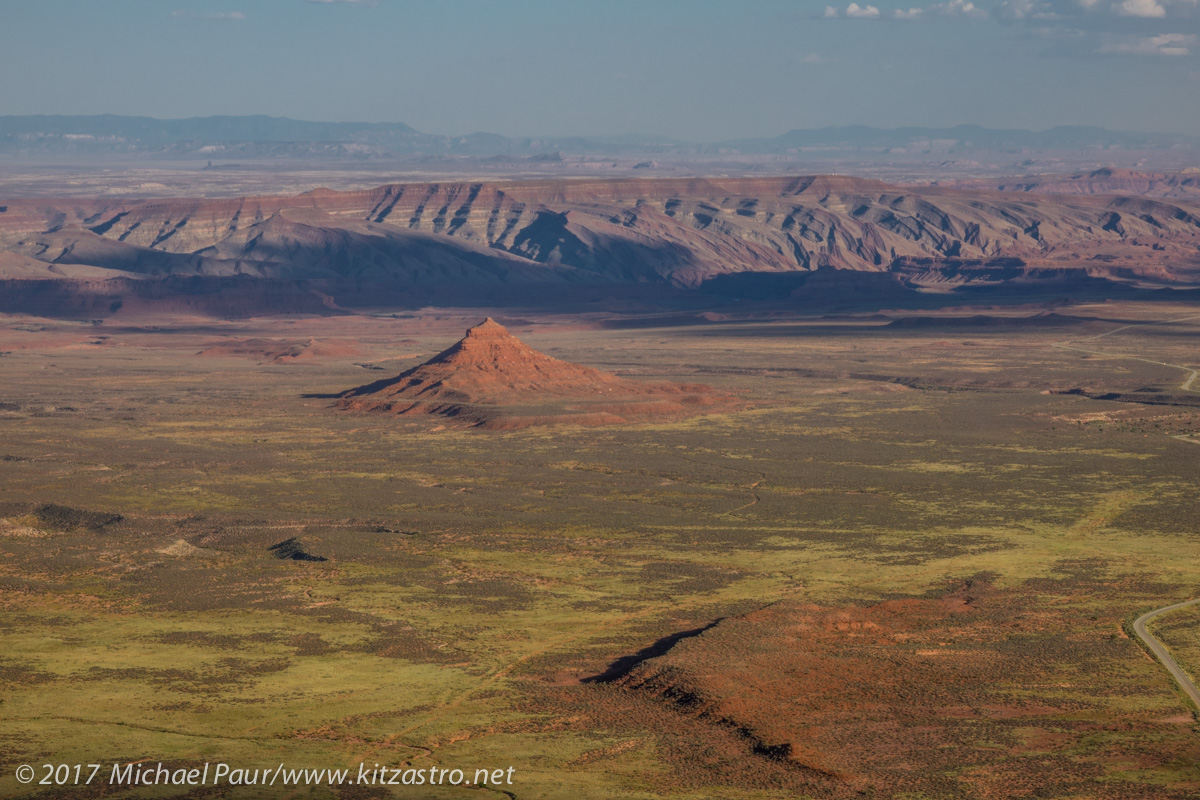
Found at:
<point>492,379</point>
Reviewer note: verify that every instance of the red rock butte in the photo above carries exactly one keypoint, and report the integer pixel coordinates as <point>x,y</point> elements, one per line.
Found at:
<point>491,379</point>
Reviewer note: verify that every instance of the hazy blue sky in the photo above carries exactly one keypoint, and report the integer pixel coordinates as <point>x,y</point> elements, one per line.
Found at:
<point>695,69</point>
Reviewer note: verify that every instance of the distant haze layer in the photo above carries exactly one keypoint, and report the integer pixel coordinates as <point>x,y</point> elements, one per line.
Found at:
<point>261,136</point>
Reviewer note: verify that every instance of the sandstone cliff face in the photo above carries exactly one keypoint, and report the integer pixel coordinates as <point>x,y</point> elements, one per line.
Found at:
<point>655,230</point>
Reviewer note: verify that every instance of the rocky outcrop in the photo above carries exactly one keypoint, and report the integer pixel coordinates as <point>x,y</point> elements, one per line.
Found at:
<point>491,379</point>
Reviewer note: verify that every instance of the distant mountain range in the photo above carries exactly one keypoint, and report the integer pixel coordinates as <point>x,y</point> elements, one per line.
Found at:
<point>262,136</point>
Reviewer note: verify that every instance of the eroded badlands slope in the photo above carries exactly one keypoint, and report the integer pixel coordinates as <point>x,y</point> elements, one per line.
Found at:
<point>678,232</point>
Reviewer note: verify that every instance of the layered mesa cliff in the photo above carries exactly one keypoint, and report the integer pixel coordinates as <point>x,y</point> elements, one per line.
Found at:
<point>679,232</point>
<point>493,380</point>
<point>1183,185</point>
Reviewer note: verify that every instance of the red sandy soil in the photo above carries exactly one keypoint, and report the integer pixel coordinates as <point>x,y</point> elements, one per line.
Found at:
<point>928,696</point>
<point>493,380</point>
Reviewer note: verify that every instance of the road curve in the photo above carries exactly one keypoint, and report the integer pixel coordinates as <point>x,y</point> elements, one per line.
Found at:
<point>1160,652</point>
<point>1192,374</point>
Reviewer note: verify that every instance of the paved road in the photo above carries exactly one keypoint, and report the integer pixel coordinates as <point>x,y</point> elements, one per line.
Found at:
<point>1139,627</point>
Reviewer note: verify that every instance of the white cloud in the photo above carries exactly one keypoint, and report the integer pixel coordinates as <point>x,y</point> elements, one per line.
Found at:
<point>1152,9</point>
<point>811,58</point>
<point>952,8</point>
<point>853,11</point>
<point>963,7</point>
<point>1140,8</point>
<point>347,2</point>
<point>1017,9</point>
<point>862,12</point>
<point>1098,11</point>
<point>1166,44</point>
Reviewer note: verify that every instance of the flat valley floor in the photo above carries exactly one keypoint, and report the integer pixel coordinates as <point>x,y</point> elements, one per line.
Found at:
<point>905,569</point>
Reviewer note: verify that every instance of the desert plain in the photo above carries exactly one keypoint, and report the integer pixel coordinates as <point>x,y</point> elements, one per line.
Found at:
<point>598,401</point>
<point>900,559</point>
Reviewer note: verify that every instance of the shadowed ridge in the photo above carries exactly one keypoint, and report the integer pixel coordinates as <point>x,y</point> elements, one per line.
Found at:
<point>679,232</point>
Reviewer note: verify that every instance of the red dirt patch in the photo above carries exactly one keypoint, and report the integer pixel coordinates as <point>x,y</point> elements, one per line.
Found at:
<point>974,694</point>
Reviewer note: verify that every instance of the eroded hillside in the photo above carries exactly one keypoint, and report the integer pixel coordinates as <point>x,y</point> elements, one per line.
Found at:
<point>674,231</point>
